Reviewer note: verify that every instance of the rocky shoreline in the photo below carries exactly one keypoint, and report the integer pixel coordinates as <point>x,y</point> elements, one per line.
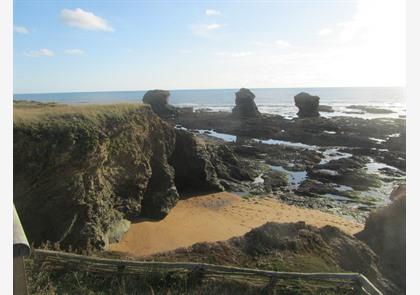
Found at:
<point>345,165</point>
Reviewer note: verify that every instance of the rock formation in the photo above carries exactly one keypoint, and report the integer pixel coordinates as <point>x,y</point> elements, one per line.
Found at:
<point>325,109</point>
<point>159,101</point>
<point>245,106</point>
<point>398,192</point>
<point>384,232</point>
<point>87,172</point>
<point>308,105</point>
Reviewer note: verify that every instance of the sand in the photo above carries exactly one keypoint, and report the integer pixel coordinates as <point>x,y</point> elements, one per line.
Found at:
<point>217,217</point>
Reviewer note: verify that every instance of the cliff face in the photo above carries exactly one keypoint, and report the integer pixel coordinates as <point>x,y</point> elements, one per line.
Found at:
<point>385,233</point>
<point>81,172</point>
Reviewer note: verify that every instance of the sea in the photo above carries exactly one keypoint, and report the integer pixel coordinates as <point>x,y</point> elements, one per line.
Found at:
<point>269,100</point>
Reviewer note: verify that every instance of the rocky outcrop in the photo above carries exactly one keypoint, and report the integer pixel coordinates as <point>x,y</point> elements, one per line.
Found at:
<point>81,173</point>
<point>294,247</point>
<point>159,101</point>
<point>325,109</point>
<point>308,105</point>
<point>200,165</point>
<point>245,106</point>
<point>370,109</point>
<point>397,143</point>
<point>385,233</point>
<point>198,172</point>
<point>333,131</point>
<point>346,171</point>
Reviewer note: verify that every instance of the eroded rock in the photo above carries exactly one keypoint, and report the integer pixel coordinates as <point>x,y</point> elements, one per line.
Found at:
<point>326,109</point>
<point>245,106</point>
<point>308,105</point>
<point>159,101</point>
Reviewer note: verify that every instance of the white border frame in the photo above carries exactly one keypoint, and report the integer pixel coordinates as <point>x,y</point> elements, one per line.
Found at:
<point>6,152</point>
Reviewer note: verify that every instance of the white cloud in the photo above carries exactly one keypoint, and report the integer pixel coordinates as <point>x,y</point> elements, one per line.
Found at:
<point>325,32</point>
<point>39,53</point>
<point>368,49</point>
<point>20,30</point>
<point>74,51</point>
<point>85,20</point>
<point>282,43</point>
<point>204,30</point>
<point>212,12</point>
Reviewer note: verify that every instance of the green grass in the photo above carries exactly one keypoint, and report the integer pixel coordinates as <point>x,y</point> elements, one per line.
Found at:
<point>298,263</point>
<point>31,113</point>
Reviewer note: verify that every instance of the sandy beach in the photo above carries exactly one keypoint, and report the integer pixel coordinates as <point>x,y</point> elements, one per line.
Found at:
<point>216,217</point>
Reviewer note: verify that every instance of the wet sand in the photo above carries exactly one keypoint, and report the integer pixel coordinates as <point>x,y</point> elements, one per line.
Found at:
<point>217,217</point>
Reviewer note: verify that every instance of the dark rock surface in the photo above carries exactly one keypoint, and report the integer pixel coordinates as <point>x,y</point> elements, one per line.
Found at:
<point>357,179</point>
<point>245,106</point>
<point>341,130</point>
<point>395,158</point>
<point>397,143</point>
<point>159,101</point>
<point>370,109</point>
<point>385,233</point>
<point>199,165</point>
<point>308,105</point>
<point>349,171</point>
<point>325,109</point>
<point>278,155</point>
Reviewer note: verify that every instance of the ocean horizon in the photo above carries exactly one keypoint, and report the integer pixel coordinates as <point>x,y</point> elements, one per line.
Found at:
<point>269,100</point>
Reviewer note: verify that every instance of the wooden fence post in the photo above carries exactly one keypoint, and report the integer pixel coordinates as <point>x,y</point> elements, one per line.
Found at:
<point>20,249</point>
<point>270,289</point>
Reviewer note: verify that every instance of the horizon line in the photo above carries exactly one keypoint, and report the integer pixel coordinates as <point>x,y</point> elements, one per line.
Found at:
<point>186,89</point>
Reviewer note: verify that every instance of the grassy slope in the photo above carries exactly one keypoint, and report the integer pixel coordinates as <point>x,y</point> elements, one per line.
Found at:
<point>27,112</point>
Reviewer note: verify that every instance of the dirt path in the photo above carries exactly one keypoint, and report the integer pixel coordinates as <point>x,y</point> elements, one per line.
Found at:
<point>216,217</point>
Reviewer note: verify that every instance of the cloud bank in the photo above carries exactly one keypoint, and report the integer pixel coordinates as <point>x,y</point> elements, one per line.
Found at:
<point>84,20</point>
<point>39,53</point>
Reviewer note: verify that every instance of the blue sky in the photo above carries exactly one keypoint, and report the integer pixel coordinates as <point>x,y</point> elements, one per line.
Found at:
<point>62,46</point>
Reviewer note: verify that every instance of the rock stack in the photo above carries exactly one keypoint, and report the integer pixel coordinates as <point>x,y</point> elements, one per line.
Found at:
<point>308,105</point>
<point>245,106</point>
<point>159,101</point>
